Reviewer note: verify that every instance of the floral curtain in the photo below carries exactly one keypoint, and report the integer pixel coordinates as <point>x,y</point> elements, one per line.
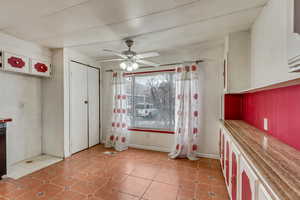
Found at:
<point>118,137</point>
<point>187,108</point>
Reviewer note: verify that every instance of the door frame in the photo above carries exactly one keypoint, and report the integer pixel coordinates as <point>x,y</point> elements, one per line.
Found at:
<point>100,105</point>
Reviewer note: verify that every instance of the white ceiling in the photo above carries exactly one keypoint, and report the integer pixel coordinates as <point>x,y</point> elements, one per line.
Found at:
<point>89,26</point>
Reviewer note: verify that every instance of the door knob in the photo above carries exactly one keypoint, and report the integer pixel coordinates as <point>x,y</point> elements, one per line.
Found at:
<point>86,102</point>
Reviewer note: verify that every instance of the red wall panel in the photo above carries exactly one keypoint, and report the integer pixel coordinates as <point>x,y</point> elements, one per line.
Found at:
<point>282,109</point>
<point>280,106</point>
<point>233,103</point>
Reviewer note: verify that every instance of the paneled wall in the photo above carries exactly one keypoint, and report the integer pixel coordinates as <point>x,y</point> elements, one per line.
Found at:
<point>280,106</point>
<point>282,109</point>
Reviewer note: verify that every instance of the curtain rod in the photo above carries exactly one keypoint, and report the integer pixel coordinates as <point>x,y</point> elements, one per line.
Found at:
<point>163,65</point>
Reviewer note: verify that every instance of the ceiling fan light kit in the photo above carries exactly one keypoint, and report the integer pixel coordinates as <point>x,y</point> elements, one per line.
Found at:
<point>129,65</point>
<point>130,59</point>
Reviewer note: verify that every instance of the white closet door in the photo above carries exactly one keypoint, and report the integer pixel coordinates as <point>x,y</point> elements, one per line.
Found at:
<point>93,106</point>
<point>78,107</point>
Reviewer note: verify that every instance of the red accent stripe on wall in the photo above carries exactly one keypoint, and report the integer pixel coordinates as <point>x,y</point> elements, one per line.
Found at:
<point>280,106</point>
<point>152,131</point>
<point>148,72</point>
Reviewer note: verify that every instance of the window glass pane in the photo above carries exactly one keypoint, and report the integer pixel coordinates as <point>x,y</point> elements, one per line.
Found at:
<point>154,101</point>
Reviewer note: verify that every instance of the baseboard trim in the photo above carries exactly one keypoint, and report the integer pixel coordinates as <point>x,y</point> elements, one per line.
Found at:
<point>164,149</point>
<point>152,148</point>
<point>206,155</point>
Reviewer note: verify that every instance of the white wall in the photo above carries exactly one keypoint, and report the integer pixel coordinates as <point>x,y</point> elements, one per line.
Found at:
<point>269,46</point>
<point>21,100</point>
<point>53,107</point>
<point>211,75</point>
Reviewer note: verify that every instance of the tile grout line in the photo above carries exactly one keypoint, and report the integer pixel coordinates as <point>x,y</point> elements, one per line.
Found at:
<point>147,189</point>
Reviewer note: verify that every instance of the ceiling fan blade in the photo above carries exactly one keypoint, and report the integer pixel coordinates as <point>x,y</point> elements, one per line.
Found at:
<point>145,62</point>
<point>116,53</point>
<point>147,55</point>
<point>111,60</point>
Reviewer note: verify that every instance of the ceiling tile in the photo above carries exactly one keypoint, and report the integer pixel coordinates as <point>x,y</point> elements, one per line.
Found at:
<point>186,35</point>
<point>90,14</point>
<point>23,12</point>
<point>188,14</point>
<point>90,25</point>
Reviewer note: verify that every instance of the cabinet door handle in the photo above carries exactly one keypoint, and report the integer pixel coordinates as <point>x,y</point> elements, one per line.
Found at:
<point>86,102</point>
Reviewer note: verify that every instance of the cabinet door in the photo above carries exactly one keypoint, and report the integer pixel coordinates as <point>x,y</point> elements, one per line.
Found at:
<point>293,37</point>
<point>262,193</point>
<point>227,160</point>
<point>221,148</point>
<point>220,142</point>
<point>234,171</point>
<point>248,181</point>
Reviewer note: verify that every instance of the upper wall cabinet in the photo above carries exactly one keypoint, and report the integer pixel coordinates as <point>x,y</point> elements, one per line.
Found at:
<point>293,35</point>
<point>21,64</point>
<point>237,62</point>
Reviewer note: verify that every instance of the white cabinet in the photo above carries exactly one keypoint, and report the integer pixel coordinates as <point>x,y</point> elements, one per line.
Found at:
<point>227,160</point>
<point>241,180</point>
<point>23,64</point>
<point>237,62</point>
<point>234,172</point>
<point>293,37</point>
<point>262,193</point>
<point>247,180</point>
<point>222,138</point>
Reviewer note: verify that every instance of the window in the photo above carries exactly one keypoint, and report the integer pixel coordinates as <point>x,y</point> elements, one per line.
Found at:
<point>153,102</point>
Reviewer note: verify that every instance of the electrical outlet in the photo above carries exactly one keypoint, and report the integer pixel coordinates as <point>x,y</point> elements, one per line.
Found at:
<point>266,128</point>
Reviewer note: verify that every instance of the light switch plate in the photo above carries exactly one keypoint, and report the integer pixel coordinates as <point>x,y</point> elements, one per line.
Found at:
<point>266,128</point>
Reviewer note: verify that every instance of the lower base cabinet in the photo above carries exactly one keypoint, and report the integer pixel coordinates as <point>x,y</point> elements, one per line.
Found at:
<point>263,194</point>
<point>241,180</point>
<point>234,172</point>
<point>248,181</point>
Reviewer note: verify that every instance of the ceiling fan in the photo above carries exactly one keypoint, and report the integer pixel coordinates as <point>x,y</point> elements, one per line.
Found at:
<point>131,60</point>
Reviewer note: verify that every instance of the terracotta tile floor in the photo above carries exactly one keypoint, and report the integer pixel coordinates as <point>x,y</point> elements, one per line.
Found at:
<point>129,175</point>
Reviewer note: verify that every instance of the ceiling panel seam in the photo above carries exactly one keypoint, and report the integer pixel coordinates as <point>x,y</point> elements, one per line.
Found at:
<point>169,28</point>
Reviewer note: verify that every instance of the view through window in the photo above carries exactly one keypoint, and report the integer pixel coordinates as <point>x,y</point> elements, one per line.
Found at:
<point>154,101</point>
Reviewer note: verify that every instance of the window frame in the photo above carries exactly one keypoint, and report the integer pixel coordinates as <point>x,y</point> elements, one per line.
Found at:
<point>144,74</point>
